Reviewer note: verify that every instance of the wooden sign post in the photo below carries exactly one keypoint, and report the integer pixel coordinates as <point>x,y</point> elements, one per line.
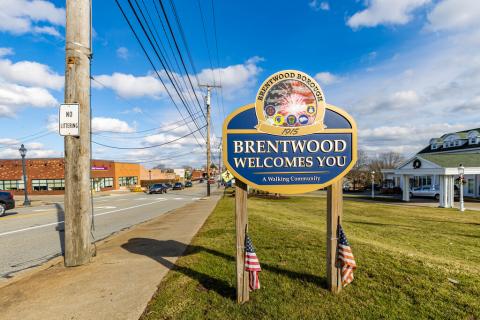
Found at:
<point>241,226</point>
<point>334,216</point>
<point>289,141</point>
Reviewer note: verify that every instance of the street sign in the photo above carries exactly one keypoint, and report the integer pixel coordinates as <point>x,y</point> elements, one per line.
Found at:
<point>290,140</point>
<point>69,120</point>
<point>227,176</point>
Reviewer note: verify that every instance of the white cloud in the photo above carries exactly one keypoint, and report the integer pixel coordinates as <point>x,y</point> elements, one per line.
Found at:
<point>319,5</point>
<point>47,30</point>
<point>14,97</point>
<point>9,141</point>
<point>130,86</point>
<point>23,16</point>
<point>418,95</point>
<point>134,110</point>
<point>122,53</point>
<point>454,15</point>
<point>6,52</point>
<point>236,80</point>
<point>102,124</point>
<point>385,12</point>
<point>30,73</point>
<point>327,78</point>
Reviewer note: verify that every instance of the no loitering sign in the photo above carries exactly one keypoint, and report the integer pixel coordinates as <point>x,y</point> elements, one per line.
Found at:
<point>69,120</point>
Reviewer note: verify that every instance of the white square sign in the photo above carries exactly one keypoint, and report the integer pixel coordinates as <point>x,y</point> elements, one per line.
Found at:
<point>69,124</point>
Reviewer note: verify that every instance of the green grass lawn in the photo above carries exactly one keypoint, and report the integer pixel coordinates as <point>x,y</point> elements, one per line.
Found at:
<point>405,258</point>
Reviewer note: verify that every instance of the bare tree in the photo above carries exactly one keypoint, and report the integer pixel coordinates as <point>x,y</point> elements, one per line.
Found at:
<point>359,172</point>
<point>386,160</point>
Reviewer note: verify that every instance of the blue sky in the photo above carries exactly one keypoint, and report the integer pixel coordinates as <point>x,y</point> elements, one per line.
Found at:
<point>407,70</point>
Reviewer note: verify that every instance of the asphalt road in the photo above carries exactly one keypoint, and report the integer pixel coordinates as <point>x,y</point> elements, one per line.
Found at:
<point>32,236</point>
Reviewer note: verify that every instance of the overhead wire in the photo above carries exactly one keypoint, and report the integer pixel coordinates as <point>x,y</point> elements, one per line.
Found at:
<point>158,54</point>
<point>151,62</point>
<point>180,54</point>
<point>151,146</point>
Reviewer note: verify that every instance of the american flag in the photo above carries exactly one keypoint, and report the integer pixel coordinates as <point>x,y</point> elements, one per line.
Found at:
<point>252,265</point>
<point>345,259</point>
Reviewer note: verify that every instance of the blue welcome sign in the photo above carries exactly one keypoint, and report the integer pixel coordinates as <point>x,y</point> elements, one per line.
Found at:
<point>289,141</point>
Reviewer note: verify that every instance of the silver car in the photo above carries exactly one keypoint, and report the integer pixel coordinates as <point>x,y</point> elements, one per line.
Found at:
<point>426,192</point>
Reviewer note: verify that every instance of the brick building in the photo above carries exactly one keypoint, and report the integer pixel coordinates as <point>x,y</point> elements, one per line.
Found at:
<point>46,176</point>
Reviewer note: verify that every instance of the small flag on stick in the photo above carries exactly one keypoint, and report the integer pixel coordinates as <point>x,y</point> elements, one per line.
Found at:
<point>252,265</point>
<point>345,259</point>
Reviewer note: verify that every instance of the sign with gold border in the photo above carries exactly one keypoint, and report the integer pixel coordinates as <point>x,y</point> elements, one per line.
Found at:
<point>290,140</point>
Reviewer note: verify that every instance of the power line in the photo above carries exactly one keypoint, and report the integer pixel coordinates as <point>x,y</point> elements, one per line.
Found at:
<point>27,140</point>
<point>179,52</point>
<point>150,61</point>
<point>100,134</point>
<point>218,57</point>
<point>160,56</point>
<point>148,147</point>
<point>164,53</point>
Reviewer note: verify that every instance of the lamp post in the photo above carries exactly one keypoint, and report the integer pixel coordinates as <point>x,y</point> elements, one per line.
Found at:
<point>373,184</point>
<point>461,172</point>
<point>150,174</point>
<point>23,153</point>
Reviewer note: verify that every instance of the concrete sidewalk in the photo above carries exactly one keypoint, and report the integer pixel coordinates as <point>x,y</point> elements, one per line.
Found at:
<point>121,279</point>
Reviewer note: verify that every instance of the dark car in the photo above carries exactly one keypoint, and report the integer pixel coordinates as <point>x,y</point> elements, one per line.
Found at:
<point>157,188</point>
<point>178,186</point>
<point>188,184</point>
<point>169,185</point>
<point>200,181</point>
<point>6,202</point>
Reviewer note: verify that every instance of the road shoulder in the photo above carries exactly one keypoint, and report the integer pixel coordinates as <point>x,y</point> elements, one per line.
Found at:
<point>119,282</point>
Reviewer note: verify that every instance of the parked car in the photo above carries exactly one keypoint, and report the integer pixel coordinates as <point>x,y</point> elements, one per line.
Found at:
<point>188,184</point>
<point>178,186</point>
<point>426,192</point>
<point>6,202</point>
<point>157,188</point>
<point>200,181</point>
<point>169,185</point>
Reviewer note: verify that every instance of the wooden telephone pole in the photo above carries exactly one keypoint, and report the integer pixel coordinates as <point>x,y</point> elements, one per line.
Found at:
<point>207,102</point>
<point>78,246</point>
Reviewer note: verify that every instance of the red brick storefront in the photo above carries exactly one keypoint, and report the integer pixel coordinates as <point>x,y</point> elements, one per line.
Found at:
<point>46,176</point>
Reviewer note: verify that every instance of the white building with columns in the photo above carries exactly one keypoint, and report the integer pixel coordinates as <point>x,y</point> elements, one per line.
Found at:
<point>436,166</point>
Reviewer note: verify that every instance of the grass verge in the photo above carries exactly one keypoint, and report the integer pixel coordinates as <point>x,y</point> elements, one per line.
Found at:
<point>413,263</point>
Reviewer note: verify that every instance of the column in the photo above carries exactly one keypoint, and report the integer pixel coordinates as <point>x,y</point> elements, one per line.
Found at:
<point>406,188</point>
<point>443,192</point>
<point>450,191</point>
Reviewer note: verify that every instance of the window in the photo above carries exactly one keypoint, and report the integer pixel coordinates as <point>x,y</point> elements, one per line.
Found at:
<point>48,184</point>
<point>11,185</point>
<point>102,182</point>
<point>471,186</point>
<point>127,181</point>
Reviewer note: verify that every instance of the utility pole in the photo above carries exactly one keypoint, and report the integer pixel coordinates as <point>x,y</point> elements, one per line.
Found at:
<point>207,102</point>
<point>78,246</point>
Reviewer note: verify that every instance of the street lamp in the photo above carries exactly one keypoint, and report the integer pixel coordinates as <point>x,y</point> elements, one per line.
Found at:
<point>461,172</point>
<point>373,184</point>
<point>23,153</point>
<point>150,173</point>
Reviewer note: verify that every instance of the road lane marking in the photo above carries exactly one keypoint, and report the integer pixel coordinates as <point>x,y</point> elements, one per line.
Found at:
<point>177,198</point>
<point>41,210</point>
<point>63,221</point>
<point>105,207</point>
